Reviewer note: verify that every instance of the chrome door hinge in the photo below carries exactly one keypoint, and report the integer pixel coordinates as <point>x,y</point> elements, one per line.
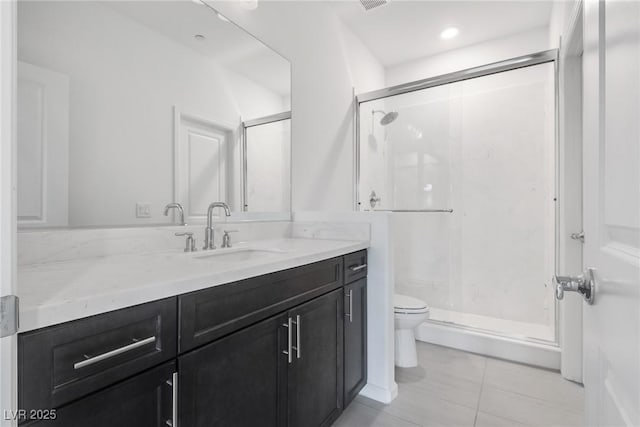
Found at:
<point>8,315</point>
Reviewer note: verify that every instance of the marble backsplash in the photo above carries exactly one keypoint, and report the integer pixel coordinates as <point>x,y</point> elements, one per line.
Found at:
<point>44,246</point>
<point>331,230</point>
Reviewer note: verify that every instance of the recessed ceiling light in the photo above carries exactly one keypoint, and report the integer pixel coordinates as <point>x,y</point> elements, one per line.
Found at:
<point>199,37</point>
<point>449,33</point>
<point>222,17</point>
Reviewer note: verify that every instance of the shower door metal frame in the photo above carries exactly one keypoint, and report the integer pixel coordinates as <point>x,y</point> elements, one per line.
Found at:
<point>454,77</point>
<point>543,57</point>
<point>279,117</point>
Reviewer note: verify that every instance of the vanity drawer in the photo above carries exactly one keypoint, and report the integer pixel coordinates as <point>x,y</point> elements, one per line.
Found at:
<point>212,313</point>
<point>64,362</point>
<point>355,266</point>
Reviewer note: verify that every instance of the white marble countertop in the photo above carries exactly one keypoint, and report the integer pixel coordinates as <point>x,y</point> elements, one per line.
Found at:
<point>53,293</point>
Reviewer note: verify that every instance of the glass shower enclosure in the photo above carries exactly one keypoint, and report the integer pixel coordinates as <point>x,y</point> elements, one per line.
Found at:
<point>467,163</point>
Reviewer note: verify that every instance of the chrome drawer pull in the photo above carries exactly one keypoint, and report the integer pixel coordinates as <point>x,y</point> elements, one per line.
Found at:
<point>288,351</point>
<point>173,383</point>
<point>112,353</point>
<point>350,313</point>
<point>298,346</point>
<point>357,267</point>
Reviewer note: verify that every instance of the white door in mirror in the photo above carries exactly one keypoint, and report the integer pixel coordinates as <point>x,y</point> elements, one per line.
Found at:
<point>43,147</point>
<point>201,158</point>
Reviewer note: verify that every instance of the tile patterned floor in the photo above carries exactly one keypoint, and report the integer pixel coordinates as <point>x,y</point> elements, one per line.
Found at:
<point>454,388</point>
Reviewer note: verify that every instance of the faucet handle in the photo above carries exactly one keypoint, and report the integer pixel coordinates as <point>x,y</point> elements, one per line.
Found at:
<point>190,244</point>
<point>226,238</point>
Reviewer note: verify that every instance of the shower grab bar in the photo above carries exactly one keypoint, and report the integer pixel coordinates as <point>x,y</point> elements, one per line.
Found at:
<point>412,210</point>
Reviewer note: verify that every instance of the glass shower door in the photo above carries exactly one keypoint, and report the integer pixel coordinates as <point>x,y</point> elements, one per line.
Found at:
<point>484,148</point>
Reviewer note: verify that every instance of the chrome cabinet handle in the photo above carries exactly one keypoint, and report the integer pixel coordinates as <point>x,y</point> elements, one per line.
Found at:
<point>112,353</point>
<point>350,313</point>
<point>173,382</point>
<point>357,267</point>
<point>298,346</point>
<point>288,351</point>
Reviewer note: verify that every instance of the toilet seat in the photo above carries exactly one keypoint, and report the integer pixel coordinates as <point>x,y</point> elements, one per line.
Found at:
<point>404,304</point>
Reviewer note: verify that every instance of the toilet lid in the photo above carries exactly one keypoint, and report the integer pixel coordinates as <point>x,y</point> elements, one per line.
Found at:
<point>406,303</point>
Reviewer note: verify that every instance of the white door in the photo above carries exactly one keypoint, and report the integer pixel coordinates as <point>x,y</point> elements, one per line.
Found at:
<point>8,344</point>
<point>43,147</point>
<point>570,193</point>
<point>201,165</point>
<point>612,211</point>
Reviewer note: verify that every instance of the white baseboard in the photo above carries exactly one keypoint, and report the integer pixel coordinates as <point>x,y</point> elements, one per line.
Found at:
<point>383,395</point>
<point>543,355</point>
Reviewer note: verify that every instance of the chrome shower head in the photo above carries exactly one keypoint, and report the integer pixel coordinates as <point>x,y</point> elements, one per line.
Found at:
<point>387,118</point>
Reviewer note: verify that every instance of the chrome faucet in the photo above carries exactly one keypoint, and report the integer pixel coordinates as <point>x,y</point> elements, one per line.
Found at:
<point>177,206</point>
<point>208,232</point>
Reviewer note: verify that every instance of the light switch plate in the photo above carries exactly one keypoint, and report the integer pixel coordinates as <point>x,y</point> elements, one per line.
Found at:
<point>143,210</point>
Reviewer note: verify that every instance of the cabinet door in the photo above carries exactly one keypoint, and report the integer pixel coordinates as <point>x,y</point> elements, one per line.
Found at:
<point>238,380</point>
<point>315,374</point>
<point>145,400</point>
<point>355,339</point>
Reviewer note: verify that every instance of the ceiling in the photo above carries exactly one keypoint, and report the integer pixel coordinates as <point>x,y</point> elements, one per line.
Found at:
<point>404,30</point>
<point>224,42</point>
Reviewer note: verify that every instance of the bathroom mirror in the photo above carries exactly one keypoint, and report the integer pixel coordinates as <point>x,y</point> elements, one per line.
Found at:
<point>124,107</point>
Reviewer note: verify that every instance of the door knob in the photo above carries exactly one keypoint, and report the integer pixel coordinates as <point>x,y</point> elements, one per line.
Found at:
<point>578,236</point>
<point>374,199</point>
<point>584,284</point>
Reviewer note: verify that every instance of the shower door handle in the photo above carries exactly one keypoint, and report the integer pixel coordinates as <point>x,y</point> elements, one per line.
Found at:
<point>584,284</point>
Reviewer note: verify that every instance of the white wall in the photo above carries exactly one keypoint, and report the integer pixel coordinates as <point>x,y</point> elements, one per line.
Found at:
<point>327,62</point>
<point>479,54</point>
<point>381,383</point>
<point>123,86</point>
<point>562,13</point>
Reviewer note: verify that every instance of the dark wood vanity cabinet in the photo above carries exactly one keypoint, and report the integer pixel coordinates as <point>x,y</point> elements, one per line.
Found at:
<point>355,339</point>
<point>63,363</point>
<point>287,349</point>
<point>283,371</point>
<point>146,400</point>
<point>239,380</point>
<point>315,392</point>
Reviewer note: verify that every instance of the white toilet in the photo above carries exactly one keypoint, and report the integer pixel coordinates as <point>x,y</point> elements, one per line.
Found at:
<point>409,312</point>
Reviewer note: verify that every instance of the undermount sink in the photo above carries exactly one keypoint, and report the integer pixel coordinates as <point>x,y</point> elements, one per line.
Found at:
<point>236,256</point>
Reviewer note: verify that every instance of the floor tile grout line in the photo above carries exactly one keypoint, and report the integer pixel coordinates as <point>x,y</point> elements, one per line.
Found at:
<point>388,414</point>
<point>443,399</point>
<point>538,399</point>
<point>400,417</point>
<point>484,372</point>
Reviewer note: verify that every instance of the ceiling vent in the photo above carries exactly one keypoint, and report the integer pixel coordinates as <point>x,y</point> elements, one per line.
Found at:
<point>371,4</point>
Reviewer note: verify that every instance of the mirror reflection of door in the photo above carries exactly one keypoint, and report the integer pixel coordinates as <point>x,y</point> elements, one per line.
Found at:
<point>267,168</point>
<point>201,164</point>
<point>43,146</point>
